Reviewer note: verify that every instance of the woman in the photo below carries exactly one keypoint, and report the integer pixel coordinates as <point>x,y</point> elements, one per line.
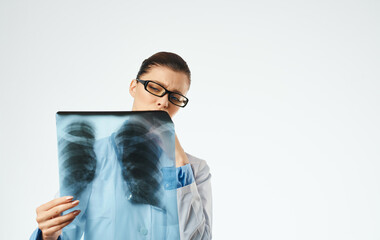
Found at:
<point>161,84</point>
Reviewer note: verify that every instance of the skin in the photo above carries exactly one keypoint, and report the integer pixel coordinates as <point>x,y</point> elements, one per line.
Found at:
<point>49,217</point>
<point>143,100</point>
<point>168,78</point>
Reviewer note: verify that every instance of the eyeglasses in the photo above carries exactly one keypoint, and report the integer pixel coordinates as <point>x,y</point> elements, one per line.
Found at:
<point>159,91</point>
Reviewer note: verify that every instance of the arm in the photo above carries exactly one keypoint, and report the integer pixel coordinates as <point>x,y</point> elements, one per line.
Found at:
<point>195,202</point>
<point>194,198</point>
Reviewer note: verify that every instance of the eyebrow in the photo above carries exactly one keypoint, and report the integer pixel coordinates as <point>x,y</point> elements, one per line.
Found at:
<point>175,90</point>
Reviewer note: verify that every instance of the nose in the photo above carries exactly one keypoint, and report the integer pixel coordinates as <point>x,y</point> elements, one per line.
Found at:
<point>163,102</point>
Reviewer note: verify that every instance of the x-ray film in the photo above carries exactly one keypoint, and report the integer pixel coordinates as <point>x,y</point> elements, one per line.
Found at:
<point>121,167</point>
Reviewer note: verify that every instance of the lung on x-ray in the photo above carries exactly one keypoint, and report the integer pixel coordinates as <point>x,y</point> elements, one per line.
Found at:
<point>121,167</point>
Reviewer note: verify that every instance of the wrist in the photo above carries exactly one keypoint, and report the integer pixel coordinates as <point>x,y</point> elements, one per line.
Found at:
<point>48,238</point>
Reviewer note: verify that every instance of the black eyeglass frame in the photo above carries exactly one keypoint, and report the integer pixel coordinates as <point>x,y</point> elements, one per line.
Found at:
<point>146,82</point>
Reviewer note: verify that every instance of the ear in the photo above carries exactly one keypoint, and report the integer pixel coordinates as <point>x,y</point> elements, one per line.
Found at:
<point>132,88</point>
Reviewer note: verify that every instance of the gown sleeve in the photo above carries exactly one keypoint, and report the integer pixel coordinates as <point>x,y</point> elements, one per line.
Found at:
<point>195,203</point>
<point>36,235</point>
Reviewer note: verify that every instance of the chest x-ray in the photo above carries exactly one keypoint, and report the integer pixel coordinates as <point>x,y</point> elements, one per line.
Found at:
<point>121,167</point>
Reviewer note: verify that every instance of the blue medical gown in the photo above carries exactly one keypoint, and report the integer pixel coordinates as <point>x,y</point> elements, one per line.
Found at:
<point>107,213</point>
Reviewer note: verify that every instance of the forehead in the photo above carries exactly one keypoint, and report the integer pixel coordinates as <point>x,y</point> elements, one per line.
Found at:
<point>171,80</point>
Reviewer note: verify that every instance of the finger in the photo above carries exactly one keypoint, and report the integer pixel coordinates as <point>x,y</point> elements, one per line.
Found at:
<point>56,211</point>
<point>58,227</point>
<point>53,203</point>
<point>59,220</point>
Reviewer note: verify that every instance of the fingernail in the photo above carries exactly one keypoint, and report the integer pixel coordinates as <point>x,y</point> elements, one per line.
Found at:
<point>75,202</point>
<point>69,198</point>
<point>76,212</point>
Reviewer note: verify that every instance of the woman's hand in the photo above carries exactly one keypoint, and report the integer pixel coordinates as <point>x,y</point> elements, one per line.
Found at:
<point>180,155</point>
<point>49,218</point>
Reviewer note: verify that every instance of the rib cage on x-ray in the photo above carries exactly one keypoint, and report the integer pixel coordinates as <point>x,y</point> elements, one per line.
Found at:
<point>121,166</point>
<point>78,156</point>
<point>139,155</point>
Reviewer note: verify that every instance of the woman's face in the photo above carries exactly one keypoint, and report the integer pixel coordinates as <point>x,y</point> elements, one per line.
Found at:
<point>171,80</point>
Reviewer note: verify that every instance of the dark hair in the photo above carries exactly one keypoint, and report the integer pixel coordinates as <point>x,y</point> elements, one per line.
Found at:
<point>165,59</point>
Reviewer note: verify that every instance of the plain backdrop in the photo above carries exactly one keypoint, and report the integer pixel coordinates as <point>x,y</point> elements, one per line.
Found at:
<point>284,104</point>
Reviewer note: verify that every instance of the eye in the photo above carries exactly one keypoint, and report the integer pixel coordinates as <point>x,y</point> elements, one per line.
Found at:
<point>174,98</point>
<point>154,89</point>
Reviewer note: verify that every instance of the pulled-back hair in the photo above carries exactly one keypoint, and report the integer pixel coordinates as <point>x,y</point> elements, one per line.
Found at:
<point>165,59</point>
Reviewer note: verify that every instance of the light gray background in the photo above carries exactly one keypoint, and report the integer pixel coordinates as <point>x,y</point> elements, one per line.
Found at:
<point>284,104</point>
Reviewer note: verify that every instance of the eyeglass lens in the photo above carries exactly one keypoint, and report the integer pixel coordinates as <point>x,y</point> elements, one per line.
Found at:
<point>158,90</point>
